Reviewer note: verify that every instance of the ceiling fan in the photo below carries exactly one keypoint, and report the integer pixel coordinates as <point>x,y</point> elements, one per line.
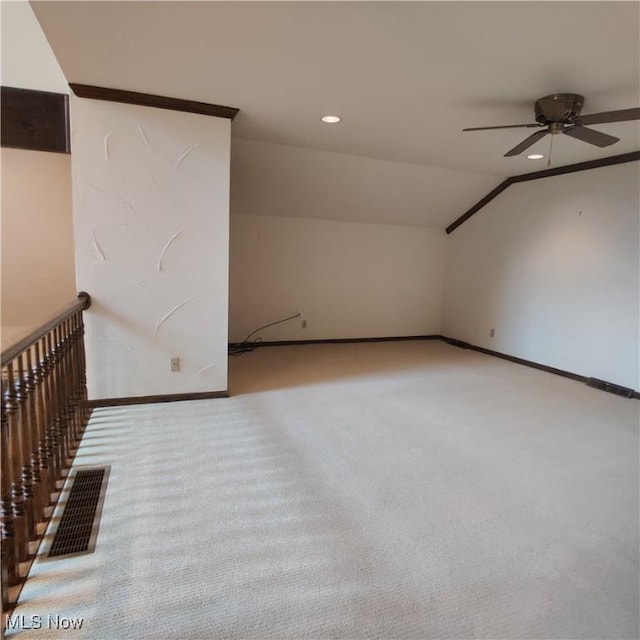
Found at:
<point>560,113</point>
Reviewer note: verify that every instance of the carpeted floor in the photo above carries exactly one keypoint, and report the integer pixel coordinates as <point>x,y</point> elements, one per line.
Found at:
<point>386,490</point>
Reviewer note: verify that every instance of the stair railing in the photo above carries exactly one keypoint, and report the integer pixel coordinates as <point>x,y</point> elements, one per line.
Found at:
<point>44,413</point>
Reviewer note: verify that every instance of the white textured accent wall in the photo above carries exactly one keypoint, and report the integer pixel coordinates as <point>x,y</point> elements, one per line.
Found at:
<point>553,266</point>
<point>350,280</point>
<point>151,220</point>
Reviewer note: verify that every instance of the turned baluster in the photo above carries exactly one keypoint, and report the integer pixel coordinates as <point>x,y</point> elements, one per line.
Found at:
<point>48,393</point>
<point>9,541</point>
<point>68,390</point>
<point>16,454</point>
<point>63,383</point>
<point>73,386</point>
<point>77,380</point>
<point>58,401</point>
<point>24,425</point>
<point>83,375</point>
<point>52,427</point>
<point>46,486</point>
<point>33,420</point>
<point>4,580</point>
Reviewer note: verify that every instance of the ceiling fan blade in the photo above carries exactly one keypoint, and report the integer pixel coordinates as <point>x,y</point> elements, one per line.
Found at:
<point>526,143</point>
<point>508,126</point>
<point>610,116</point>
<point>591,136</point>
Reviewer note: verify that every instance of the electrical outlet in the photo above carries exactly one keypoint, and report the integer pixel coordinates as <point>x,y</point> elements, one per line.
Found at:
<point>304,323</point>
<point>175,364</point>
<point>492,333</point>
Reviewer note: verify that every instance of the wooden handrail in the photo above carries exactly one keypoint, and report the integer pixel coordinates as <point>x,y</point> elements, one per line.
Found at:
<point>44,414</point>
<point>81,304</point>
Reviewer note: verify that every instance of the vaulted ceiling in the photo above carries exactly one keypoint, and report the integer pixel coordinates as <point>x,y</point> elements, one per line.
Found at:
<point>406,77</point>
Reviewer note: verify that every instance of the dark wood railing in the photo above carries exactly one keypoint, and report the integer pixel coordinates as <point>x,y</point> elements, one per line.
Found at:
<point>44,413</point>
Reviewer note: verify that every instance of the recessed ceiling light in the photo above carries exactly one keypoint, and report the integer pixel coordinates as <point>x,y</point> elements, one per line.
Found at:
<point>331,119</point>
<point>535,156</point>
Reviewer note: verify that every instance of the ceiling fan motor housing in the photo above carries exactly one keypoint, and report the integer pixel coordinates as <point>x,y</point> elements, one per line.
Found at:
<point>560,113</point>
<point>559,108</point>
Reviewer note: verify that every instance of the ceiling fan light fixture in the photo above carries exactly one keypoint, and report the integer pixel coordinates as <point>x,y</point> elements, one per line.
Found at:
<point>535,156</point>
<point>331,119</point>
<point>562,113</point>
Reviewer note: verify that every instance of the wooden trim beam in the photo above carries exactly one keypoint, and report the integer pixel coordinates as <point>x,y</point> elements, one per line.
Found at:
<point>150,100</point>
<point>546,173</point>
<point>478,205</point>
<point>580,166</point>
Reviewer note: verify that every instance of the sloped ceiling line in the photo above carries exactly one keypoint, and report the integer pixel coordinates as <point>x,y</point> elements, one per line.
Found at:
<point>176,104</point>
<point>546,173</point>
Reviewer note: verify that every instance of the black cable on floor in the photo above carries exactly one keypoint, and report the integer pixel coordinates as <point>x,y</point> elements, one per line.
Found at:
<point>249,345</point>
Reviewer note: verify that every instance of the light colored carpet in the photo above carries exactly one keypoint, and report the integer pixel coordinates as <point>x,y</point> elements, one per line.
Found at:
<point>389,490</point>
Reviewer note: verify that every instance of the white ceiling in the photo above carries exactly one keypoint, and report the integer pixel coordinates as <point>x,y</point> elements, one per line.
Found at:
<point>274,179</point>
<point>405,76</point>
<point>27,60</point>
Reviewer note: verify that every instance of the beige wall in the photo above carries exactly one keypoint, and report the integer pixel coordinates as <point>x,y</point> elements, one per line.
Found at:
<point>552,265</point>
<point>348,279</point>
<point>37,233</point>
<point>37,236</point>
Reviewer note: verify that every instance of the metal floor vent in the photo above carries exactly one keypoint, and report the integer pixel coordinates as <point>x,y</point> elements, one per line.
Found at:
<point>78,528</point>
